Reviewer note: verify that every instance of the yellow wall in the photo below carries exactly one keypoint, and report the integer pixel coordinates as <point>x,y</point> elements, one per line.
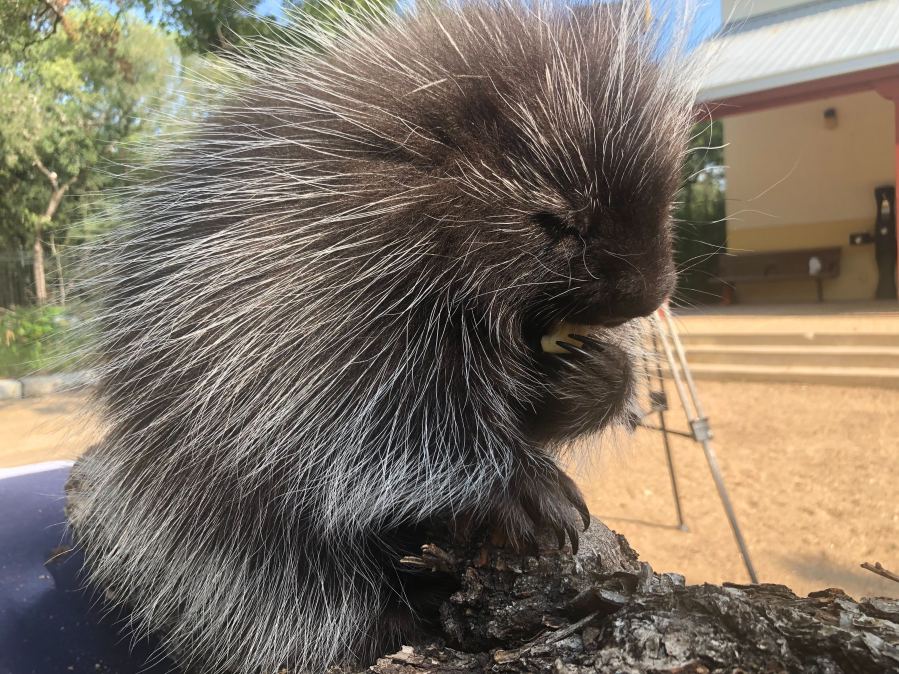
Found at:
<point>792,183</point>
<point>741,9</point>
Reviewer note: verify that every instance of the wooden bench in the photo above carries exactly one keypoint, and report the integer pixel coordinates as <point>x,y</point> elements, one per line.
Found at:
<point>779,265</point>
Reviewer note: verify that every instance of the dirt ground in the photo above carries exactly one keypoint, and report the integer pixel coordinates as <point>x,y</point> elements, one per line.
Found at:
<point>813,472</point>
<point>43,429</point>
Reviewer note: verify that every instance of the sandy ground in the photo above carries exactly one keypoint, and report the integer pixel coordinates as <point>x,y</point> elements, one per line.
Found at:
<point>813,472</point>
<point>43,429</point>
<point>858,317</point>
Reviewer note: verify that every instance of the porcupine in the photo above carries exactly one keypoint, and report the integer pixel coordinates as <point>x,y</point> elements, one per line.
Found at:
<point>322,320</point>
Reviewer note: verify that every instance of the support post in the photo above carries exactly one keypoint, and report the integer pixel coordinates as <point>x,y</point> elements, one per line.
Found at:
<point>889,89</point>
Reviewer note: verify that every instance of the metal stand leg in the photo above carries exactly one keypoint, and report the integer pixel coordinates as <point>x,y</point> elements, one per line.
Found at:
<point>699,423</point>
<point>680,515</point>
<point>659,403</point>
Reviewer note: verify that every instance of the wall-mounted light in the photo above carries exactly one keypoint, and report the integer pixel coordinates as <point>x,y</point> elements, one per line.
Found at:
<point>830,119</point>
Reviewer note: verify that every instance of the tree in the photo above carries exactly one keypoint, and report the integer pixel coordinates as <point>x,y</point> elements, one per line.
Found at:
<point>207,25</point>
<point>491,610</point>
<point>25,22</point>
<point>199,26</point>
<point>219,25</point>
<point>79,82</point>
<point>602,610</point>
<point>73,99</point>
<point>700,215</point>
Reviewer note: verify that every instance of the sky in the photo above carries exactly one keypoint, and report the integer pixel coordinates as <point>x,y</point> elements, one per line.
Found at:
<point>708,19</point>
<point>708,15</point>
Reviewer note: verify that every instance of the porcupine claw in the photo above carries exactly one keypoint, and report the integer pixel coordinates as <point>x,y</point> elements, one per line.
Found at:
<point>555,358</point>
<point>577,501</point>
<point>573,536</point>
<point>582,510</point>
<point>595,343</point>
<point>571,348</point>
<point>560,535</point>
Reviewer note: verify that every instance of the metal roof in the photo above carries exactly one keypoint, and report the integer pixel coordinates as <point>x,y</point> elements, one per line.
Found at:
<point>809,42</point>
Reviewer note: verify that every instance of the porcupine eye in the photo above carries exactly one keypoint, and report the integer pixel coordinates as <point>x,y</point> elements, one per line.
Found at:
<point>554,225</point>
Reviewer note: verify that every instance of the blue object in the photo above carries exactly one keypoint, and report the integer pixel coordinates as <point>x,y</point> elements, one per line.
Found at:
<point>49,623</point>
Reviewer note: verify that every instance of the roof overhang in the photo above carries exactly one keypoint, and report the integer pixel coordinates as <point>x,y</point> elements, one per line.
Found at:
<point>811,51</point>
<point>824,71</point>
<point>880,79</point>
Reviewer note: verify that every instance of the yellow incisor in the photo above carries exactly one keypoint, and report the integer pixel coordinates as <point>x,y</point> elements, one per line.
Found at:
<point>561,332</point>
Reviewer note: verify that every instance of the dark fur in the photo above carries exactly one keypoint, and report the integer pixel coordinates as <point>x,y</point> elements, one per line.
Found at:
<point>215,458</point>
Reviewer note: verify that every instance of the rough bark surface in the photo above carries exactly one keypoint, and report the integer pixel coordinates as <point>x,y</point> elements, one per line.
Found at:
<point>603,611</point>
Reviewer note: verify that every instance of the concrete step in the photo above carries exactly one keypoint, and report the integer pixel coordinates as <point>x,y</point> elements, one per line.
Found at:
<point>779,355</point>
<point>838,376</point>
<point>752,338</point>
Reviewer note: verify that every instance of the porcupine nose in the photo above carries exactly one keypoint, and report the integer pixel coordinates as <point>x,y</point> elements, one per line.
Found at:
<point>629,308</point>
<point>625,286</point>
<point>613,313</point>
<point>633,293</point>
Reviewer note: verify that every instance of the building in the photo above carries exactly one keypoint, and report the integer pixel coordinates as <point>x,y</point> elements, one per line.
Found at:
<point>808,95</point>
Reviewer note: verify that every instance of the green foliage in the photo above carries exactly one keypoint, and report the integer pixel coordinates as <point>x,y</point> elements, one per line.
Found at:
<point>72,100</point>
<point>35,340</point>
<point>25,22</point>
<point>700,228</point>
<point>208,25</point>
<point>204,26</point>
<point>81,80</point>
<point>78,87</point>
<point>330,12</point>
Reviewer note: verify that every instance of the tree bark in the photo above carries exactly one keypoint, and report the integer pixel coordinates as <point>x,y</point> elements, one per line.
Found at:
<point>37,265</point>
<point>604,611</point>
<point>61,281</point>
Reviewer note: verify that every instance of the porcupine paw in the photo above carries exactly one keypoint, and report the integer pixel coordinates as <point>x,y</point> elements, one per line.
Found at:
<point>544,501</point>
<point>588,385</point>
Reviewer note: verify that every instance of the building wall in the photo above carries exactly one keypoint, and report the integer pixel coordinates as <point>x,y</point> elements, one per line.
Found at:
<point>742,9</point>
<point>792,183</point>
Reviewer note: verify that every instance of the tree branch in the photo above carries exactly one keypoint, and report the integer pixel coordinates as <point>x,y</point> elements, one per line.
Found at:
<point>603,611</point>
<point>59,191</point>
<point>51,175</point>
<point>58,7</point>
